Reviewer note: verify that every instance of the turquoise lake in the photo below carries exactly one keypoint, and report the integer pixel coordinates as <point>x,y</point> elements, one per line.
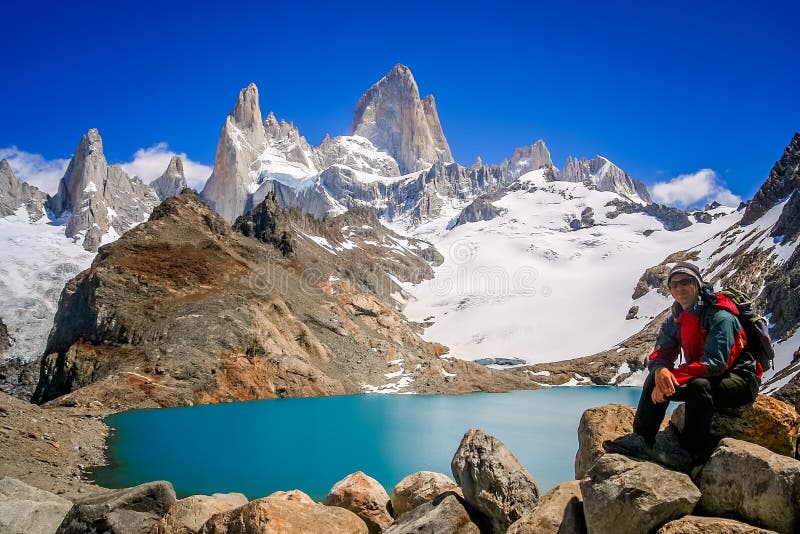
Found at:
<point>260,447</point>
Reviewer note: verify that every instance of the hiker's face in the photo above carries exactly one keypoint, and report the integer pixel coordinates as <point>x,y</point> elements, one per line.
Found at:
<point>684,289</point>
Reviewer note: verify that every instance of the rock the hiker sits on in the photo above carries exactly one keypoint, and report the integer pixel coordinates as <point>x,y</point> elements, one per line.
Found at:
<point>717,372</point>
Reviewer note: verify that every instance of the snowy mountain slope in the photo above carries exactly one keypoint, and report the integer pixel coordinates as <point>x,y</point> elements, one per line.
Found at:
<point>526,284</point>
<point>37,261</point>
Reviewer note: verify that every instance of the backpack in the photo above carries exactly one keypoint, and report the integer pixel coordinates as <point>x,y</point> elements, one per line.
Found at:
<point>755,327</point>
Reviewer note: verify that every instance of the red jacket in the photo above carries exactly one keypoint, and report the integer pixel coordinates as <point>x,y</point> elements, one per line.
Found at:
<point>706,354</point>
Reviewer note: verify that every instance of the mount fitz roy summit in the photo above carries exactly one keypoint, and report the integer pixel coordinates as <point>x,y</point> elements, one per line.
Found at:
<point>563,228</point>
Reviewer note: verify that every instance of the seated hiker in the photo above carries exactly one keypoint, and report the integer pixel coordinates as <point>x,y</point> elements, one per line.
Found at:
<point>717,372</point>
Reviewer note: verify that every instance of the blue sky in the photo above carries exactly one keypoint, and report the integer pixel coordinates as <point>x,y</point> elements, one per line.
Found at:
<point>702,91</point>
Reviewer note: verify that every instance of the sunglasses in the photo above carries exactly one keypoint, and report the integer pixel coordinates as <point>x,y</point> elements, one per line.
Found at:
<point>681,283</point>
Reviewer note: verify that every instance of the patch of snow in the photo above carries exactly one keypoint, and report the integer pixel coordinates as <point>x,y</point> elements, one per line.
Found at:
<point>37,262</point>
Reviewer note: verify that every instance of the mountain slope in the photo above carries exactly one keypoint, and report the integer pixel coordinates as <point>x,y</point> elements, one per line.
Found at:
<point>183,309</point>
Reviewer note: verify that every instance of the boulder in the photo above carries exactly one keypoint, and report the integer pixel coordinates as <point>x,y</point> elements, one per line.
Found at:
<point>129,510</point>
<point>365,497</point>
<point>419,488</point>
<point>752,483</point>
<point>28,510</point>
<point>695,524</point>
<point>767,422</point>
<point>493,480</point>
<point>622,495</point>
<point>284,512</point>
<point>598,425</point>
<point>560,511</point>
<point>446,513</point>
<point>188,515</point>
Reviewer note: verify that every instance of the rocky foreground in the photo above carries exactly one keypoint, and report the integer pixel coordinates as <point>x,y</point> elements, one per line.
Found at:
<point>750,484</point>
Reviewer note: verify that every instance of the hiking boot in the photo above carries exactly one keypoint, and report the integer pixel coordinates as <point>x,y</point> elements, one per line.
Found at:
<point>632,445</point>
<point>675,458</point>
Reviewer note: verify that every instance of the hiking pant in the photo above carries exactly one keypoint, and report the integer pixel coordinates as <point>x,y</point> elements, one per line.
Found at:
<point>701,396</point>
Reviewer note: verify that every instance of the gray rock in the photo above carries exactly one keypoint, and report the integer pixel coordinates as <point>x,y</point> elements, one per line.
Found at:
<point>768,422</point>
<point>172,182</point>
<point>632,312</point>
<point>695,524</point>
<point>596,426</point>
<point>493,480</point>
<point>242,140</point>
<point>481,209</point>
<point>392,116</point>
<point>286,139</point>
<point>447,514</point>
<point>784,178</point>
<point>96,197</point>
<point>129,510</point>
<point>418,489</point>
<point>560,511</point>
<point>526,159</point>
<point>365,497</point>
<point>5,341</point>
<point>622,495</point>
<point>752,483</point>
<point>188,515</point>
<point>14,194</point>
<point>357,153</point>
<point>28,510</point>
<point>603,175</point>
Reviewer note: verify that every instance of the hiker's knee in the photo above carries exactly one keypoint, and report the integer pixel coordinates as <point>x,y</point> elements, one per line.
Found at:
<point>698,387</point>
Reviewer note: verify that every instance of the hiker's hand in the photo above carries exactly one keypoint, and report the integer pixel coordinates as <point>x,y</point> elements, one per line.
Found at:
<point>665,385</point>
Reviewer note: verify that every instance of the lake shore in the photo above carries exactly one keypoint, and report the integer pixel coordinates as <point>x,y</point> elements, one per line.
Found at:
<point>52,448</point>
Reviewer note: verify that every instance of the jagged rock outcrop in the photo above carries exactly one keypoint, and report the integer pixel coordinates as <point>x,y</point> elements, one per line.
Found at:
<point>622,495</point>
<point>14,194</point>
<point>493,480</point>
<point>752,483</point>
<point>172,182</point>
<point>284,512</point>
<point>187,516</point>
<point>526,159</point>
<point>783,180</point>
<point>605,176</point>
<point>134,509</point>
<point>97,197</point>
<point>357,153</point>
<point>286,139</point>
<point>480,209</point>
<point>237,166</point>
<point>185,310</point>
<point>5,341</point>
<point>365,497</point>
<point>392,116</point>
<point>672,219</point>
<point>29,510</point>
<point>418,488</point>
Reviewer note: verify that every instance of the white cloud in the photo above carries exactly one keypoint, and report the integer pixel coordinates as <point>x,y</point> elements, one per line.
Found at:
<point>150,163</point>
<point>35,169</point>
<point>696,189</point>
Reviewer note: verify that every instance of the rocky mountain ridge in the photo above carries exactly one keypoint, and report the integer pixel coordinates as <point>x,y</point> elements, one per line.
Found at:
<point>391,115</point>
<point>15,194</point>
<point>281,305</point>
<point>396,142</point>
<point>96,198</point>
